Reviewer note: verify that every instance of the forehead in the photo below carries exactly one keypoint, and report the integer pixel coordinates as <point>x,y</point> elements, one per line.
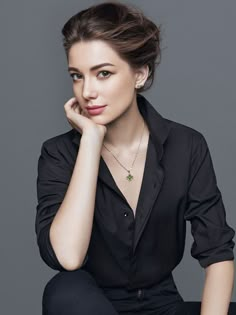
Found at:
<point>88,53</point>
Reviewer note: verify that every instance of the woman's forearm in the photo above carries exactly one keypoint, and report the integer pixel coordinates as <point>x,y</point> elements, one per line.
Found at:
<point>71,228</point>
<point>218,287</point>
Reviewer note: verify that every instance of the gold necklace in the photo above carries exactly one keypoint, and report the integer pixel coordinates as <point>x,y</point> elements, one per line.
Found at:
<point>130,176</point>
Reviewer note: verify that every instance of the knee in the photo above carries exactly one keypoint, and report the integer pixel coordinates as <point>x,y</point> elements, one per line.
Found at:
<point>65,291</point>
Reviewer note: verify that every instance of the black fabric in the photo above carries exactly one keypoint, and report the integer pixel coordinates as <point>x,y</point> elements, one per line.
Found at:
<point>77,292</point>
<point>179,184</point>
<point>194,308</point>
<point>74,293</point>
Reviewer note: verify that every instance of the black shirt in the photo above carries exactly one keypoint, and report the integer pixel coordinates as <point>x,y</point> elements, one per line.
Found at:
<point>179,185</point>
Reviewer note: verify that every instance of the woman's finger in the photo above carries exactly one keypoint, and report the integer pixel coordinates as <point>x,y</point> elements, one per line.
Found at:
<point>69,104</point>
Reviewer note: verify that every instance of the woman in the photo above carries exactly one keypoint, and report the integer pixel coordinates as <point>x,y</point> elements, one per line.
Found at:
<point>114,192</point>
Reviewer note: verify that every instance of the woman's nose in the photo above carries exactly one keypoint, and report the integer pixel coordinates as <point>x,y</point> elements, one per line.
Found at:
<point>89,90</point>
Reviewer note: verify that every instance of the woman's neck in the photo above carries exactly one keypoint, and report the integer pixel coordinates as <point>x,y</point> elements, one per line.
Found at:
<point>125,133</point>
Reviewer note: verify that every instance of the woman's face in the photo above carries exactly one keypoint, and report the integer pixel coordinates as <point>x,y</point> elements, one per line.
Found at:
<point>112,85</point>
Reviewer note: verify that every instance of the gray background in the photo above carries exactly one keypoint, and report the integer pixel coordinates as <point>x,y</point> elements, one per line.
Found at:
<point>195,85</point>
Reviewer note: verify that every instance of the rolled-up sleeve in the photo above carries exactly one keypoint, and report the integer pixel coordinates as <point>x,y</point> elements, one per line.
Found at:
<point>213,237</point>
<point>53,178</point>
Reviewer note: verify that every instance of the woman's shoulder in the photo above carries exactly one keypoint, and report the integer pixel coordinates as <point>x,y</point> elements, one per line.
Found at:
<point>60,147</point>
<point>60,140</point>
<point>184,132</point>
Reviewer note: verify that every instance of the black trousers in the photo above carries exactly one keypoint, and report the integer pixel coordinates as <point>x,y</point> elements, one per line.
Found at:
<point>77,293</point>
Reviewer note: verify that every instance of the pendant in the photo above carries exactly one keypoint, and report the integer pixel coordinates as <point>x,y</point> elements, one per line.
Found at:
<point>129,177</point>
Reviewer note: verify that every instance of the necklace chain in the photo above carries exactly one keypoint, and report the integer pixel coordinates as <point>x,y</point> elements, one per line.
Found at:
<point>130,176</point>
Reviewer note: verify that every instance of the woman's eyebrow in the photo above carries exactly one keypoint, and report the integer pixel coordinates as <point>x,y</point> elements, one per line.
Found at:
<point>92,68</point>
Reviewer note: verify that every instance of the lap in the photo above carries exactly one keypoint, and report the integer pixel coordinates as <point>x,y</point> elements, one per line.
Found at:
<point>76,292</point>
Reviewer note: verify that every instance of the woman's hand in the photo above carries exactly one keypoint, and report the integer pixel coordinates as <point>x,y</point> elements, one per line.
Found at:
<point>80,121</point>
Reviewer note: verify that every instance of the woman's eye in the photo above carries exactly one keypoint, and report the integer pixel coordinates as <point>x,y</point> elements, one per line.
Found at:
<point>106,72</point>
<point>72,75</point>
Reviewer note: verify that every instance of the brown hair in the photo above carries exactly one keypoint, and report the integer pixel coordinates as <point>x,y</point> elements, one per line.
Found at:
<point>133,36</point>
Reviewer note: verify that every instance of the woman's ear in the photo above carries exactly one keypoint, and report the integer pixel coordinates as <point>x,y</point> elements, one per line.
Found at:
<point>141,76</point>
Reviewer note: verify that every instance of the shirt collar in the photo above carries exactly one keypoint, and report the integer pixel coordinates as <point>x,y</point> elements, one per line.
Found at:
<point>158,126</point>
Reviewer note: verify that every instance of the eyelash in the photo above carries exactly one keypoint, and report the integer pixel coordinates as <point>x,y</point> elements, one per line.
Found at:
<point>107,76</point>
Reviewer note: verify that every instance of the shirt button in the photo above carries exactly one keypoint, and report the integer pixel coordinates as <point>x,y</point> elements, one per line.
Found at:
<point>139,294</point>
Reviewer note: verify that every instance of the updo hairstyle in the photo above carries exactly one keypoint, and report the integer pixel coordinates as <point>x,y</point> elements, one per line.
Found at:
<point>134,37</point>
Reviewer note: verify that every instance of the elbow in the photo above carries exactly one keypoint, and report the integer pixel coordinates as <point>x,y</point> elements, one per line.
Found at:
<point>72,267</point>
<point>68,263</point>
<point>51,258</point>
<point>67,260</point>
<point>76,265</point>
<point>56,261</point>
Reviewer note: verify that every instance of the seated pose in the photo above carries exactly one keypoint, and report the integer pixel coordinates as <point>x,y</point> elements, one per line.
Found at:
<point>115,191</point>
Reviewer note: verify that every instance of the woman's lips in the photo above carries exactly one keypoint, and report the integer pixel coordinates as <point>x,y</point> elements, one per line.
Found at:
<point>95,110</point>
<point>95,106</point>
